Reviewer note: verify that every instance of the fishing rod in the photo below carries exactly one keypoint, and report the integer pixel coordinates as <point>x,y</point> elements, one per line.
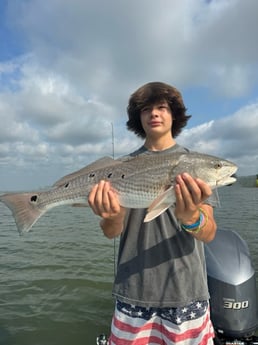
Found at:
<point>102,338</point>
<point>113,156</point>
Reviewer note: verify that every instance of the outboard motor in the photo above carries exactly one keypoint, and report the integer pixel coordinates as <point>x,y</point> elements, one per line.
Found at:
<point>232,287</point>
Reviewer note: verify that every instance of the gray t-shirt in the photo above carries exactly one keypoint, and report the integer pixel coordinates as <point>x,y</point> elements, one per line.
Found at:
<point>159,264</point>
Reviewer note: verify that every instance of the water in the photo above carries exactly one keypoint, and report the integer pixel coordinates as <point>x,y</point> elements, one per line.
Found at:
<point>239,212</point>
<point>55,282</point>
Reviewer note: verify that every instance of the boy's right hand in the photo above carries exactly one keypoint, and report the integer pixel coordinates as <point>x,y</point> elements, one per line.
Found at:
<point>104,201</point>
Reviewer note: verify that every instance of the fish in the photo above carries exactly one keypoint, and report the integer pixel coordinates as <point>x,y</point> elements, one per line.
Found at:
<point>143,181</point>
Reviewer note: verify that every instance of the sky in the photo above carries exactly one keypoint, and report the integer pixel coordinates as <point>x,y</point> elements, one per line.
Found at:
<point>67,69</point>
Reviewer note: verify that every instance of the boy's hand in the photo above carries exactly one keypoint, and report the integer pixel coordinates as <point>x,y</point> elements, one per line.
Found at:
<point>190,194</point>
<point>103,201</point>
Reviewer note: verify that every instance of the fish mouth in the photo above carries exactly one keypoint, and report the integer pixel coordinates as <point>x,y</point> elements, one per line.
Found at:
<point>224,181</point>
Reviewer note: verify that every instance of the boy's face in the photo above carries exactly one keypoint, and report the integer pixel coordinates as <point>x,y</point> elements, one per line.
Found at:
<point>156,119</point>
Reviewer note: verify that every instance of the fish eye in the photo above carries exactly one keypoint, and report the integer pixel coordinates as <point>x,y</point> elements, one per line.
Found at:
<point>218,165</point>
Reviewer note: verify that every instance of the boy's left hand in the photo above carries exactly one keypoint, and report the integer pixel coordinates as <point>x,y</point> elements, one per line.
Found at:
<point>190,194</point>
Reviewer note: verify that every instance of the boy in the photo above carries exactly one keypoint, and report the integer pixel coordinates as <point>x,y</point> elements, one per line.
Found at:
<point>160,286</point>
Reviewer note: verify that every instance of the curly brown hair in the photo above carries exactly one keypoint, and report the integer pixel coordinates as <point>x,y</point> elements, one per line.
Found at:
<point>150,94</point>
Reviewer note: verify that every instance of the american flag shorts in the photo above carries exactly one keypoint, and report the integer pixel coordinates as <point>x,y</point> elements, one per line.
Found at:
<point>134,325</point>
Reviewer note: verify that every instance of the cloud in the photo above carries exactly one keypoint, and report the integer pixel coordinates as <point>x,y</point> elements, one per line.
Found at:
<point>233,137</point>
<point>95,43</point>
<point>82,60</point>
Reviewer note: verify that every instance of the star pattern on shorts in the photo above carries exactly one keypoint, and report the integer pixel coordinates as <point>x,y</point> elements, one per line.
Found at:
<point>177,315</point>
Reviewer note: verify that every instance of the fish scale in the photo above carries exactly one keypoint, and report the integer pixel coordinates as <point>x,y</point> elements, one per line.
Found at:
<point>144,181</point>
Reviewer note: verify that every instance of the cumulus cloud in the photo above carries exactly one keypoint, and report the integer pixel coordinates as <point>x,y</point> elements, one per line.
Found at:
<point>94,43</point>
<point>82,60</point>
<point>233,137</point>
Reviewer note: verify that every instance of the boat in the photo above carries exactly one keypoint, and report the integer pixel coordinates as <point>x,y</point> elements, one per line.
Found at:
<point>232,288</point>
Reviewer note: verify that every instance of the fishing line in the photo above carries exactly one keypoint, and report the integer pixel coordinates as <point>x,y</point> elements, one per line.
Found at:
<point>113,156</point>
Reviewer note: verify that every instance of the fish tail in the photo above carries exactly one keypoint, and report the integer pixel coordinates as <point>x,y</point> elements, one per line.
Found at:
<point>24,211</point>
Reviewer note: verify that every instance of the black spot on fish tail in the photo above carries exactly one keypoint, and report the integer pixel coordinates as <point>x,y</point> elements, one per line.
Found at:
<point>109,175</point>
<point>34,198</point>
<point>25,209</point>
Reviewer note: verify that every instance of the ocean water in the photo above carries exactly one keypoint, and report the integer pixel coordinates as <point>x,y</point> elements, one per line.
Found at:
<point>56,281</point>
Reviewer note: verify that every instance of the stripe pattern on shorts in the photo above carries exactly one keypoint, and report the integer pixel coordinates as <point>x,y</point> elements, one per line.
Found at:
<point>134,325</point>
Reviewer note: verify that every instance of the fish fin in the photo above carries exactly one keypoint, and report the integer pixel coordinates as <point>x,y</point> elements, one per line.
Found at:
<point>24,211</point>
<point>98,164</point>
<point>160,204</point>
